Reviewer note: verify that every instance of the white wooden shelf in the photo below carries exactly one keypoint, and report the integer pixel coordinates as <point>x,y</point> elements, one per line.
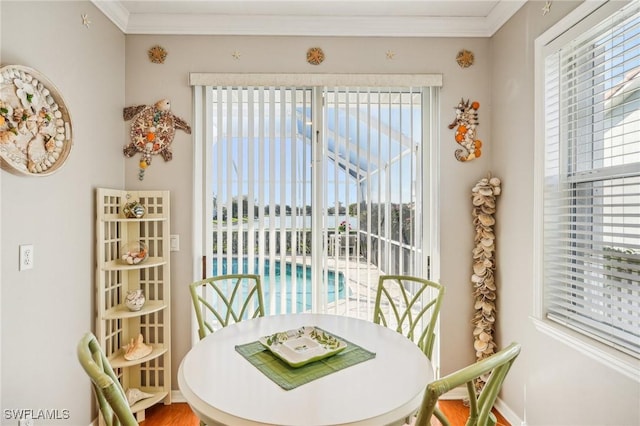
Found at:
<point>148,402</point>
<point>118,360</point>
<point>115,323</point>
<point>127,219</point>
<point>118,265</point>
<point>121,311</point>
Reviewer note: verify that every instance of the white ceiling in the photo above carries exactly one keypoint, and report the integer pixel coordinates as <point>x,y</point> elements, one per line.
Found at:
<point>385,18</point>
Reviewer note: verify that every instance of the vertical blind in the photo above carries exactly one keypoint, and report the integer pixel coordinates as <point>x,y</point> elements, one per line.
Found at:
<point>373,165</point>
<point>592,181</point>
<point>352,157</point>
<point>261,184</point>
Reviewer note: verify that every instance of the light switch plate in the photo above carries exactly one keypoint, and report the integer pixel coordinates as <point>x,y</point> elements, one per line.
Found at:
<point>174,243</point>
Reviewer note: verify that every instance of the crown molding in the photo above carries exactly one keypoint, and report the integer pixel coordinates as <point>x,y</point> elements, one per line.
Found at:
<point>115,11</point>
<point>287,25</point>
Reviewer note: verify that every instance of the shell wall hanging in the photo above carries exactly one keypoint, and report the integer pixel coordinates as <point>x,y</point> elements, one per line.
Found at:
<point>35,125</point>
<point>466,122</point>
<point>484,195</point>
<point>152,131</point>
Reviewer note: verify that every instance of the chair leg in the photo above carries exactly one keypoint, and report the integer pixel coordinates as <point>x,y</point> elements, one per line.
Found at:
<point>441,417</point>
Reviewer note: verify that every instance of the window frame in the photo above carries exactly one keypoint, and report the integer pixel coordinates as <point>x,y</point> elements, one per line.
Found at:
<point>579,20</point>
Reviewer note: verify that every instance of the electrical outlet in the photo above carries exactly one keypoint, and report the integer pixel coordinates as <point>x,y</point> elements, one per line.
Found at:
<point>26,257</point>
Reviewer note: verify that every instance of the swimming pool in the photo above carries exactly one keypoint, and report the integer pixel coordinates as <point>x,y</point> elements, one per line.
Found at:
<point>274,275</point>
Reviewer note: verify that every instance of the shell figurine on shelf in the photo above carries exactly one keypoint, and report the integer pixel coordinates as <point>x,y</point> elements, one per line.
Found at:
<point>135,300</point>
<point>136,349</point>
<point>133,209</point>
<point>134,395</point>
<point>134,252</point>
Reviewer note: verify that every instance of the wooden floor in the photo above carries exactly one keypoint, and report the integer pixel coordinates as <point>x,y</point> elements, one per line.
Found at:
<point>180,414</point>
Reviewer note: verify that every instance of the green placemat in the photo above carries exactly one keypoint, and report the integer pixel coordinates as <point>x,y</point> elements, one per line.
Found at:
<point>288,377</point>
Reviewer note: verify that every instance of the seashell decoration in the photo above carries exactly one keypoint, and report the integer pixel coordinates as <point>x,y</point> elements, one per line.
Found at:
<point>157,54</point>
<point>152,131</point>
<point>136,349</point>
<point>466,122</point>
<point>484,195</point>
<point>464,58</point>
<point>135,300</point>
<point>315,56</point>
<point>35,126</point>
<point>133,209</point>
<point>134,252</point>
<point>134,395</point>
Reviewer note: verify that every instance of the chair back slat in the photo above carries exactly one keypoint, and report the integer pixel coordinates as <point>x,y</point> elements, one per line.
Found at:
<point>226,299</point>
<point>111,398</point>
<point>402,303</point>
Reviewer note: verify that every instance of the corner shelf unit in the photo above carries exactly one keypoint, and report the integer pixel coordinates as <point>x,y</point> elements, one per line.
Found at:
<point>116,325</point>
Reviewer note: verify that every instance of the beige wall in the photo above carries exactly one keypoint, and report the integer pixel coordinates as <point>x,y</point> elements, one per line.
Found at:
<point>46,310</point>
<point>563,387</point>
<point>148,82</point>
<point>99,71</point>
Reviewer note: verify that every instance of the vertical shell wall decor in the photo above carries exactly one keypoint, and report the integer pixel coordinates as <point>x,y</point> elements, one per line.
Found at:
<point>484,195</point>
<point>466,122</point>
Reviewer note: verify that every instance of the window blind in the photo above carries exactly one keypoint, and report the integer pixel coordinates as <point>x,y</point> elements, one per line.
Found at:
<point>592,182</point>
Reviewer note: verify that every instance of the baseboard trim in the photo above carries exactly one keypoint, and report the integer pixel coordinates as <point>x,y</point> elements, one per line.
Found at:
<point>508,413</point>
<point>176,396</point>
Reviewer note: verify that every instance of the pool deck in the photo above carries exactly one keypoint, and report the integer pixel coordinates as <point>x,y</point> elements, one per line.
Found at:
<point>361,277</point>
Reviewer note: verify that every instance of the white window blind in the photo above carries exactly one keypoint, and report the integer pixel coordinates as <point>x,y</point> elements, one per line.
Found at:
<point>592,181</point>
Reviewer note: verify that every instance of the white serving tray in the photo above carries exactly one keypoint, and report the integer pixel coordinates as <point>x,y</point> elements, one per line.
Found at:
<point>303,345</point>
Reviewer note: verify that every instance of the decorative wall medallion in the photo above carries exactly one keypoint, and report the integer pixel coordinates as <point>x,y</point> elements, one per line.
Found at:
<point>35,126</point>
<point>315,56</point>
<point>464,58</point>
<point>157,54</point>
<point>152,132</point>
<point>466,122</point>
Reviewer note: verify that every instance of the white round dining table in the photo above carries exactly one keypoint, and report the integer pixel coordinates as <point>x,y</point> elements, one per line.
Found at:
<point>223,388</point>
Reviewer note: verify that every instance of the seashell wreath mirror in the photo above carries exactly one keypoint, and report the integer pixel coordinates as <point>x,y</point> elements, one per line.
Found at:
<point>35,126</point>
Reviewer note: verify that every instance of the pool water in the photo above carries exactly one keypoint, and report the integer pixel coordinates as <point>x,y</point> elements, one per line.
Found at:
<point>283,277</point>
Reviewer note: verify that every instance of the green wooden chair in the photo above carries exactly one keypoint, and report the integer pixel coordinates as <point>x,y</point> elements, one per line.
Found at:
<point>109,393</point>
<point>400,305</point>
<point>226,299</point>
<point>495,367</point>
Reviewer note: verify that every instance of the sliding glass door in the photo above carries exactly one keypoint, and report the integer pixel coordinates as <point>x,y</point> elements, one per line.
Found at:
<point>318,190</point>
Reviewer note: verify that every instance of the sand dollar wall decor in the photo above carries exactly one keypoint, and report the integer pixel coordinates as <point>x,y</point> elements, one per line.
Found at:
<point>315,56</point>
<point>35,125</point>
